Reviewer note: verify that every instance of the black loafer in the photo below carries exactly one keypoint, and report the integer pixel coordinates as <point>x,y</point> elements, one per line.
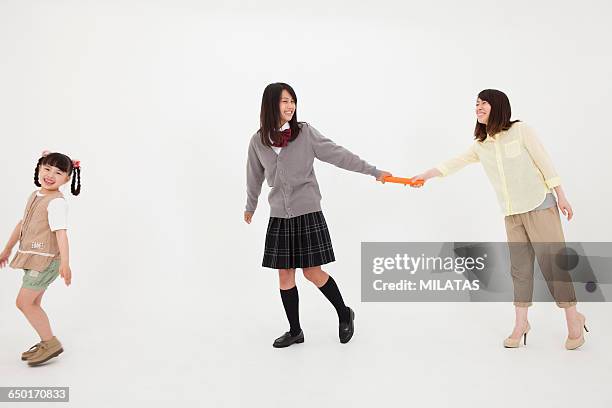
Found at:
<point>346,330</point>
<point>287,339</point>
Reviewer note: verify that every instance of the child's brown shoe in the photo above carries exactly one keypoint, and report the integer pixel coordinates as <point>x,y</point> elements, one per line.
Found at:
<point>46,351</point>
<point>27,354</point>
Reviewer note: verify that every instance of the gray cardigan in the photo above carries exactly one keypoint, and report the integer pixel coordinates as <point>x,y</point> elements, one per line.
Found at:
<point>291,175</point>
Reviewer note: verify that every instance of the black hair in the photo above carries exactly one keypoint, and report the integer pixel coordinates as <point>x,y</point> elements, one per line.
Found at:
<point>269,116</point>
<point>65,164</point>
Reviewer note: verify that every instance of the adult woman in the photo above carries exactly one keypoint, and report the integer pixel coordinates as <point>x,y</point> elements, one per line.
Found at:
<point>523,177</point>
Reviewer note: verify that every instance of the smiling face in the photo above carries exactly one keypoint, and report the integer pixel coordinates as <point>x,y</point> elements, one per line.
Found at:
<point>51,178</point>
<point>483,110</point>
<point>286,107</point>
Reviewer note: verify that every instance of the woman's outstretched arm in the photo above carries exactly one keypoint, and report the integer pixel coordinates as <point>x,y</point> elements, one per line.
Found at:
<point>450,166</point>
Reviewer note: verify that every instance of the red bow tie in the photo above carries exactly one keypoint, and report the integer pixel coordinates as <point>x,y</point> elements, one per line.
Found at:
<point>285,135</point>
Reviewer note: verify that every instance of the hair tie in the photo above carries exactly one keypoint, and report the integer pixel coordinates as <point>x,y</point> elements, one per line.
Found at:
<point>45,153</point>
<point>76,164</point>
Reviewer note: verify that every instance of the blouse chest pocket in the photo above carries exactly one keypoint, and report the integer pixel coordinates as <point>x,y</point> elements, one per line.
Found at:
<point>512,149</point>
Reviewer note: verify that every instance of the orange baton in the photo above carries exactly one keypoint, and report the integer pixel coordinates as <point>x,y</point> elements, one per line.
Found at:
<point>405,181</point>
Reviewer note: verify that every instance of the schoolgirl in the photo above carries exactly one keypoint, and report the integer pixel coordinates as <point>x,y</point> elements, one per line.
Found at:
<point>282,152</point>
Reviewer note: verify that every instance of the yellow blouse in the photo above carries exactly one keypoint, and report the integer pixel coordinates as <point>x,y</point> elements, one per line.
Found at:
<point>517,165</point>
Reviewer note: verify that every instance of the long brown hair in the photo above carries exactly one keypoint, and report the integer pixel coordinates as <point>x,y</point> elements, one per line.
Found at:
<point>269,116</point>
<point>499,117</point>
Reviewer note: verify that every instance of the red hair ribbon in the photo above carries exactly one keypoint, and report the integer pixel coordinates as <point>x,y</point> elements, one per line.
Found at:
<point>76,164</point>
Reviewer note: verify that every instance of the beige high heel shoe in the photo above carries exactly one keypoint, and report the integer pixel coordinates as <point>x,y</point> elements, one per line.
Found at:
<point>572,344</point>
<point>515,343</point>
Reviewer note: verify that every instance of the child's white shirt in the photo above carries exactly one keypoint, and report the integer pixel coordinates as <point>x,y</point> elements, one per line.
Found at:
<point>57,213</point>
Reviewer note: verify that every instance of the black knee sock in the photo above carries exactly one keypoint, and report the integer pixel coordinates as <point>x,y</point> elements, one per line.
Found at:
<point>332,293</point>
<point>291,303</point>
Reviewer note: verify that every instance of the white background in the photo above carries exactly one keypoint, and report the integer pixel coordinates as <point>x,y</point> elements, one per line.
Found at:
<point>158,99</point>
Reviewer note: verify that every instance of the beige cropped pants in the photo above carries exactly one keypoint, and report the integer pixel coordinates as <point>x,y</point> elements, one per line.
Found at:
<point>538,234</point>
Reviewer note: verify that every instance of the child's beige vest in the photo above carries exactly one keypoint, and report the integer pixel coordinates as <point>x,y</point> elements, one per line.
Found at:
<point>37,243</point>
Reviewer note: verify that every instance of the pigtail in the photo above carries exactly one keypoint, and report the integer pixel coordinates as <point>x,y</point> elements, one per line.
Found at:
<point>75,188</point>
<point>63,163</point>
<point>36,182</point>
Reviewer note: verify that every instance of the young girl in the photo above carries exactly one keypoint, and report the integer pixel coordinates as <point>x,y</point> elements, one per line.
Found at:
<point>523,177</point>
<point>43,247</point>
<point>282,152</point>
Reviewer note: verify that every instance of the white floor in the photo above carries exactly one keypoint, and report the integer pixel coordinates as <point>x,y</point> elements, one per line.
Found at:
<point>205,350</point>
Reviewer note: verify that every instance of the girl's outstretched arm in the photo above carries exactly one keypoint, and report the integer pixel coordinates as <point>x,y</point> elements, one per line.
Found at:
<point>6,253</point>
<point>328,151</point>
<point>62,242</point>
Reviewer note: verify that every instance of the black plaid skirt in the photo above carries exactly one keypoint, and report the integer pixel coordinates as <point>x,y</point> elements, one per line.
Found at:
<point>298,242</point>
